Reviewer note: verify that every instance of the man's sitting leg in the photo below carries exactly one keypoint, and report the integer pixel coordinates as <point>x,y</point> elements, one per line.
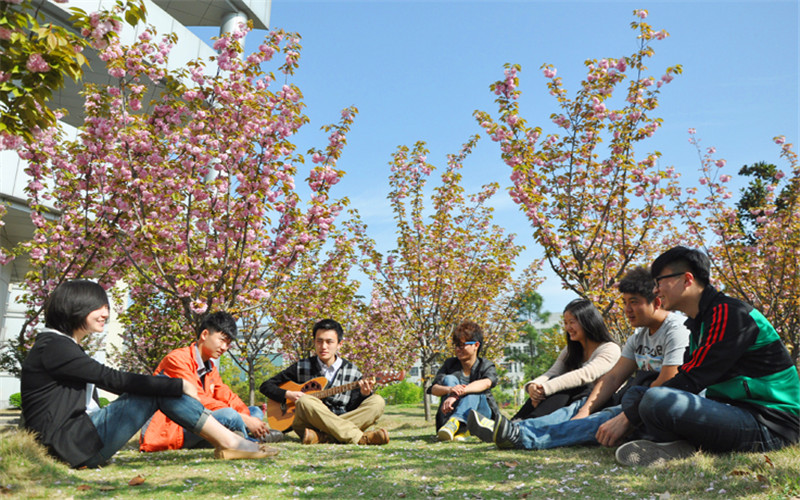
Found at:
<point>311,412</point>
<point>671,415</point>
<point>526,434</point>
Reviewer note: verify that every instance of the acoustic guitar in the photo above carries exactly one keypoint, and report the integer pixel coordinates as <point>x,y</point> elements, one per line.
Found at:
<point>281,415</point>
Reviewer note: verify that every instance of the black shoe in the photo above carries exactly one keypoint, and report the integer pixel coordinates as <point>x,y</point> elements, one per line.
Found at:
<point>480,426</point>
<point>506,435</point>
<point>272,436</point>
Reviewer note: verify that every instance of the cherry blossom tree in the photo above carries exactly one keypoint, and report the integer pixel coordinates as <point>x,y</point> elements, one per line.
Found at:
<point>191,197</point>
<point>451,263</point>
<point>596,206</point>
<point>756,255</point>
<point>37,57</point>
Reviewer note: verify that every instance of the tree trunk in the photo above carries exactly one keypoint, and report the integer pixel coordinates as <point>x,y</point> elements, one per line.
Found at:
<point>251,382</point>
<point>427,378</point>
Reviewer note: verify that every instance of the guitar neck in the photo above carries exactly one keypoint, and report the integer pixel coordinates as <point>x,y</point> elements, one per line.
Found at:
<point>336,390</point>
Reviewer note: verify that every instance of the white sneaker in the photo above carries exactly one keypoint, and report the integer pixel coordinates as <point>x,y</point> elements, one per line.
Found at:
<point>644,453</point>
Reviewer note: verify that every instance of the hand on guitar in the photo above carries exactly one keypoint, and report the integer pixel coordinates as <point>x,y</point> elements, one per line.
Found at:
<point>367,385</point>
<point>293,396</point>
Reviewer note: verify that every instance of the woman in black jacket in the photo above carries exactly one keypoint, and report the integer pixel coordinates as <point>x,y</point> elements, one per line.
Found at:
<point>59,401</point>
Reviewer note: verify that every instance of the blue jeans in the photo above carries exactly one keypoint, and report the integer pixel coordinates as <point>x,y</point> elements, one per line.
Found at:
<point>549,432</point>
<point>228,417</point>
<point>466,403</point>
<point>671,414</point>
<point>120,420</point>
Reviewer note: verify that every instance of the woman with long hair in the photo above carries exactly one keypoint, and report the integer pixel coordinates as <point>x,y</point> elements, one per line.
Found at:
<point>589,354</point>
<point>59,400</point>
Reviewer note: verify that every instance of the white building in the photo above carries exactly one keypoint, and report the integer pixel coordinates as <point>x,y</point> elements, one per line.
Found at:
<point>167,16</point>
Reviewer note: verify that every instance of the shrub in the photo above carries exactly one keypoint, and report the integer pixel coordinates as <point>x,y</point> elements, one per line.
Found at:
<point>404,392</point>
<point>15,400</point>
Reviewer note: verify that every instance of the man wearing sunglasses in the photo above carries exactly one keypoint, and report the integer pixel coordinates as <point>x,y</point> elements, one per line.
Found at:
<point>752,399</point>
<point>464,383</point>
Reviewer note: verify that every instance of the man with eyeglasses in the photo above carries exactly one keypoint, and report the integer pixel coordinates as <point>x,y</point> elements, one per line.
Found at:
<point>342,417</point>
<point>464,383</point>
<point>197,363</point>
<point>650,357</point>
<point>752,399</point>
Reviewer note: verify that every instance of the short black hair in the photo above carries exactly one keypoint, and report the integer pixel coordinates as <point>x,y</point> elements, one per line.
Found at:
<point>638,281</point>
<point>219,321</point>
<point>71,302</point>
<point>681,259</point>
<point>467,331</point>
<point>328,324</point>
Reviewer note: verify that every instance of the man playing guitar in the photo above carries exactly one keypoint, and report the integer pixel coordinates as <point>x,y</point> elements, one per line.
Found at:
<point>342,417</point>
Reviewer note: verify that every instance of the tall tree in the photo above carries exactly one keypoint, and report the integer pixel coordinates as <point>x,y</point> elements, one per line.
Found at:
<point>450,264</point>
<point>594,213</point>
<point>754,243</point>
<point>192,198</point>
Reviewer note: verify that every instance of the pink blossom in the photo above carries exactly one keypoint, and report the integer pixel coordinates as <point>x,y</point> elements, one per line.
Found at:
<point>37,64</point>
<point>549,73</point>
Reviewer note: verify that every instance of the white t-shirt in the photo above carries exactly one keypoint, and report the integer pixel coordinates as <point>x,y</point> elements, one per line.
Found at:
<point>664,347</point>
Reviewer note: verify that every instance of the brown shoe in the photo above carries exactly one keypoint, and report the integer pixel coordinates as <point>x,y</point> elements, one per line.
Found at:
<point>310,436</point>
<point>375,437</point>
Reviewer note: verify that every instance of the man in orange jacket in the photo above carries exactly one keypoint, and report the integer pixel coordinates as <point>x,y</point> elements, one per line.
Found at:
<point>198,363</point>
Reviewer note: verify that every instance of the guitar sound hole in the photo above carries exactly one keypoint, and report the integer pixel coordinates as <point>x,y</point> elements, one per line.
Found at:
<point>312,386</point>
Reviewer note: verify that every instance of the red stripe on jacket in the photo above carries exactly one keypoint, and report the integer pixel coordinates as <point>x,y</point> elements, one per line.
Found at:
<point>716,332</point>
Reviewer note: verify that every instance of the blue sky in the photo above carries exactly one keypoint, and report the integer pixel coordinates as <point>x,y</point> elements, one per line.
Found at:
<point>418,70</point>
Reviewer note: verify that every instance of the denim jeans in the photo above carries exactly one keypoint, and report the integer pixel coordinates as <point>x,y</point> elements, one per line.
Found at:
<point>549,432</point>
<point>120,420</point>
<point>228,417</point>
<point>466,403</point>
<point>671,414</point>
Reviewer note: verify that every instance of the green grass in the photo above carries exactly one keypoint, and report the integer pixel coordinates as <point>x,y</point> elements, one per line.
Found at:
<point>412,465</point>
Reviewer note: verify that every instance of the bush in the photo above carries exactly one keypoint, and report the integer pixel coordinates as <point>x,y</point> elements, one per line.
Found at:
<point>404,392</point>
<point>503,397</point>
<point>15,400</point>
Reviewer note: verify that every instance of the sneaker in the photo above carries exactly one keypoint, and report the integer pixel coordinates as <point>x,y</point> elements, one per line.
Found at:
<point>644,453</point>
<point>506,435</point>
<point>449,430</point>
<point>480,426</point>
<point>272,436</point>
<point>375,437</point>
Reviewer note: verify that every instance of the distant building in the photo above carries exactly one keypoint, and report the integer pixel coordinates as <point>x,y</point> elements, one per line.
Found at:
<point>167,16</point>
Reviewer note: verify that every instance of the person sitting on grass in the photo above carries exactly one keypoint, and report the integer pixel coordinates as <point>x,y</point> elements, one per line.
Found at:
<point>752,400</point>
<point>59,399</point>
<point>340,418</point>
<point>653,353</point>
<point>464,383</point>
<point>198,363</point>
<point>589,354</point>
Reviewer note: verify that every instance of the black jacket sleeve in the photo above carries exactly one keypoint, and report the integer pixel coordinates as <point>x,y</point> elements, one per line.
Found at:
<point>271,387</point>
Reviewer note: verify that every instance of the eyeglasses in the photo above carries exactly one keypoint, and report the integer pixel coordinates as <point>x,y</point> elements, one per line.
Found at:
<point>657,280</point>
<point>462,345</point>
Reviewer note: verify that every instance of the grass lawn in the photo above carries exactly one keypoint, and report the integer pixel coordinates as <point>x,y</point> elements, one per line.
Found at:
<point>412,465</point>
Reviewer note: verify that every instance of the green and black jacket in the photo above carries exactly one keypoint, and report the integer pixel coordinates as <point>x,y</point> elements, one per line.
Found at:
<point>737,356</point>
